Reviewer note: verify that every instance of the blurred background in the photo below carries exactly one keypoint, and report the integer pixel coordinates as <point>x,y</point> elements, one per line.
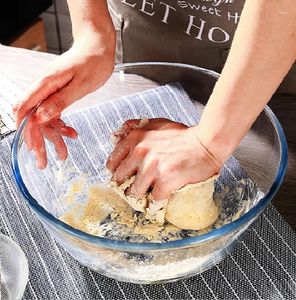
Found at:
<point>42,25</point>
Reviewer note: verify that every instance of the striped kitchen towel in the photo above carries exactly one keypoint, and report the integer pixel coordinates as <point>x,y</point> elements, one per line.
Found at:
<point>9,94</point>
<point>260,267</point>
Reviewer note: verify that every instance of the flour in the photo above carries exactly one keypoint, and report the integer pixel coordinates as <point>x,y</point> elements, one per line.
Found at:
<point>106,214</point>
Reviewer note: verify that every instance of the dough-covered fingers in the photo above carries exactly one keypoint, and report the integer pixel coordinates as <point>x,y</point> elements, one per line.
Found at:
<point>119,153</point>
<point>144,180</point>
<point>130,164</point>
<point>125,129</point>
<point>162,124</point>
<point>161,190</point>
<point>129,125</point>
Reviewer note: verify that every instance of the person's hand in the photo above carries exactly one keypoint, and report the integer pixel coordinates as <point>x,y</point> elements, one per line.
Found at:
<point>54,131</point>
<point>77,72</point>
<point>163,154</point>
<point>74,74</point>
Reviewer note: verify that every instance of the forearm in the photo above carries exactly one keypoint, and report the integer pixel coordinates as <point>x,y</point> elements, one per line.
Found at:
<point>263,50</point>
<point>91,21</point>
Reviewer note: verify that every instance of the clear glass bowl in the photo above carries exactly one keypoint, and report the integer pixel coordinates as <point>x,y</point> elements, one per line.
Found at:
<point>262,153</point>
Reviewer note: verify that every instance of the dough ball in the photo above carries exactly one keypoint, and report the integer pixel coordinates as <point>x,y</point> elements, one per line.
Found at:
<point>193,207</point>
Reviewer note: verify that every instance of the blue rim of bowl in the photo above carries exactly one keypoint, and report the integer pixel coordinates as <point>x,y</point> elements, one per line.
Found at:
<point>190,241</point>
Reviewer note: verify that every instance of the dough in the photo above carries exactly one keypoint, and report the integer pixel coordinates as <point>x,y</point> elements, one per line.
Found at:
<point>102,202</point>
<point>138,204</point>
<point>191,207</point>
<point>153,210</point>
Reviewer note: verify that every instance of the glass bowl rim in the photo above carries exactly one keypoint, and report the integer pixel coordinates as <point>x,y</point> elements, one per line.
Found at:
<point>133,246</point>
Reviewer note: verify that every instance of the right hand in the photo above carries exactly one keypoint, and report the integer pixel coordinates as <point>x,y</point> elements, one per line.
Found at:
<point>163,155</point>
<point>74,74</point>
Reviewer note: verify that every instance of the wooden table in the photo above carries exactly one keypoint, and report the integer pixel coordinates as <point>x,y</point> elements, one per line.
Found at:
<point>23,67</point>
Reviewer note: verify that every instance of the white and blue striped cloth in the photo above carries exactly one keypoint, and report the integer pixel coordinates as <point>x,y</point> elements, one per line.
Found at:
<point>262,266</point>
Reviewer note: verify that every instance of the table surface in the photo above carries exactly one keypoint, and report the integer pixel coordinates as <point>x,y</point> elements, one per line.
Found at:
<point>23,67</point>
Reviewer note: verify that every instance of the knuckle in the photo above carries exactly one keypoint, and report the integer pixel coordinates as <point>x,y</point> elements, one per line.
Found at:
<point>47,81</point>
<point>166,170</point>
<point>152,160</point>
<point>118,177</point>
<point>161,170</point>
<point>84,81</point>
<point>136,132</point>
<point>59,102</point>
<point>141,149</point>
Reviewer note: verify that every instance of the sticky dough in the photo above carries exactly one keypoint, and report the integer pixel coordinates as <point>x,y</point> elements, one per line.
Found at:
<point>191,207</point>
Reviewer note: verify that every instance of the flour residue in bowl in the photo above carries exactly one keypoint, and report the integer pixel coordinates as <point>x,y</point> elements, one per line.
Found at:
<point>106,214</point>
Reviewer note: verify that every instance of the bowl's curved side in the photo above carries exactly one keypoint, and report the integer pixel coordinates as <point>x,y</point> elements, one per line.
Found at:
<point>247,218</point>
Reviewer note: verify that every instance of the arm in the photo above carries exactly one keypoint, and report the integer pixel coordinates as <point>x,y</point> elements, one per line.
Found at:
<point>91,20</point>
<point>83,68</point>
<point>69,77</point>
<point>263,50</point>
<point>167,155</point>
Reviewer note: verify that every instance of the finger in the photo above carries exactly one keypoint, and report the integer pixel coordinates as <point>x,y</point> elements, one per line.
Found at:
<point>162,123</point>
<point>128,125</point>
<point>63,129</point>
<point>143,181</point>
<point>68,132</point>
<point>130,164</point>
<point>57,102</point>
<point>39,91</point>
<point>161,191</point>
<point>125,129</point>
<point>118,154</point>
<point>126,169</point>
<point>60,147</point>
<point>156,122</point>
<point>31,134</point>
<point>38,146</point>
<point>28,135</point>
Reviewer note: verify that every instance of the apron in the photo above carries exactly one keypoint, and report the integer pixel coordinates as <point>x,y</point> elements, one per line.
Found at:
<point>197,32</point>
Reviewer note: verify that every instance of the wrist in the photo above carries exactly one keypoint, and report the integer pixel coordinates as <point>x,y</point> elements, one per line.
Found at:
<point>208,157</point>
<point>95,47</point>
<point>215,149</point>
<point>95,39</point>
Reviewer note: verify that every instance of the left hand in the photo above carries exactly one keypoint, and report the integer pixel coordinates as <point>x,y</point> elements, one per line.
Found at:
<point>163,154</point>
